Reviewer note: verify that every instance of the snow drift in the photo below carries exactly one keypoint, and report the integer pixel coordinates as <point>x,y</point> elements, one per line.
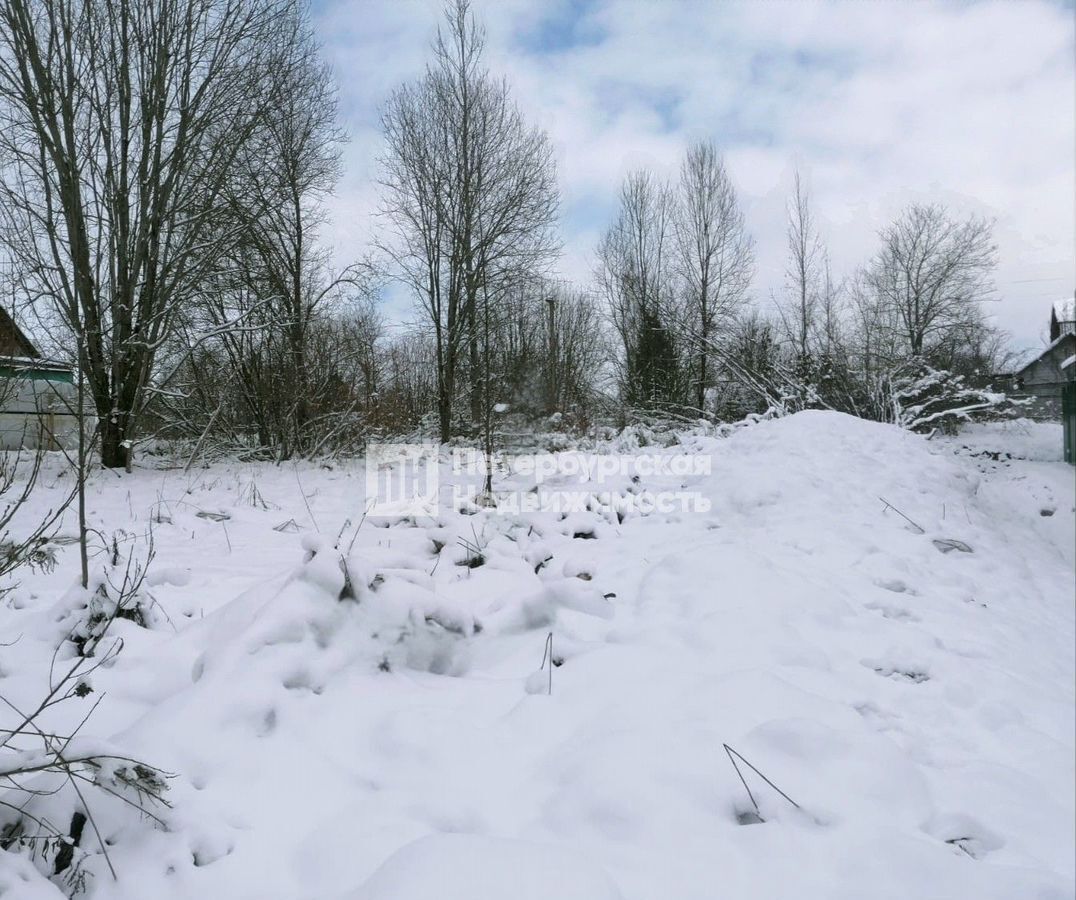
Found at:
<point>363,720</point>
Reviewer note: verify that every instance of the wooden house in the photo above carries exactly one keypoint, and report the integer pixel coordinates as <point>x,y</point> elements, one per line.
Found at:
<point>1063,318</point>
<point>1040,377</point>
<point>37,395</point>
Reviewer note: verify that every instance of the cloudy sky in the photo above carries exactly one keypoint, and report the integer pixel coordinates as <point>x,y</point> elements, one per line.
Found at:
<point>877,103</point>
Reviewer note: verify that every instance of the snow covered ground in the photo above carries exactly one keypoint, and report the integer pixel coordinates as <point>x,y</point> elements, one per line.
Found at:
<point>1021,439</point>
<point>914,701</point>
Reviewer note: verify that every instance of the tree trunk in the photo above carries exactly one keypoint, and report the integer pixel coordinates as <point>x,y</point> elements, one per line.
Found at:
<point>701,398</point>
<point>552,398</point>
<point>113,438</point>
<point>302,400</point>
<point>444,414</point>
<point>474,359</point>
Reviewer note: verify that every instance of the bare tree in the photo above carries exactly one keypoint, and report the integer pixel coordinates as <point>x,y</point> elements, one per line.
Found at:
<point>121,125</point>
<point>806,264</point>
<point>573,339</point>
<point>413,182</point>
<point>835,382</point>
<point>716,255</point>
<point>409,386</point>
<point>234,394</point>
<point>874,336</point>
<point>931,275</point>
<point>470,195</point>
<point>546,347</point>
<point>635,275</point>
<point>288,168</point>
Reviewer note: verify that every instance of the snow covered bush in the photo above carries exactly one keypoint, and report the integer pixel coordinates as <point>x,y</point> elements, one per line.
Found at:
<point>49,772</point>
<point>21,545</point>
<point>118,590</point>
<point>48,769</point>
<point>918,397</point>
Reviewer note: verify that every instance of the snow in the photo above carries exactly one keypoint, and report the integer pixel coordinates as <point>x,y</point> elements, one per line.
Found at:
<point>21,881</point>
<point>1065,309</point>
<point>402,742</point>
<point>1069,360</point>
<point>1022,438</point>
<point>480,868</point>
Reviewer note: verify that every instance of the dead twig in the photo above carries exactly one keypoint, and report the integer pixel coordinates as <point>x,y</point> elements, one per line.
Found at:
<point>547,654</point>
<point>915,525</point>
<point>730,752</point>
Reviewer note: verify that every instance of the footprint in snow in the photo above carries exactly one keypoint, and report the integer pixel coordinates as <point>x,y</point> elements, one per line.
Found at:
<point>896,613</point>
<point>267,725</point>
<point>898,673</point>
<point>896,585</point>
<point>964,834</point>
<point>881,720</point>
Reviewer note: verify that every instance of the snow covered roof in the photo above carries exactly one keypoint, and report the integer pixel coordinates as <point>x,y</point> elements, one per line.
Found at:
<point>1021,359</point>
<point>1065,309</point>
<point>34,362</point>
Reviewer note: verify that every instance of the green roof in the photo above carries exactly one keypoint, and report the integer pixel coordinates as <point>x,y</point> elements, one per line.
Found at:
<point>37,373</point>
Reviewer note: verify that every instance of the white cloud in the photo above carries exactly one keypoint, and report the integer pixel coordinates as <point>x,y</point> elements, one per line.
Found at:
<point>879,103</point>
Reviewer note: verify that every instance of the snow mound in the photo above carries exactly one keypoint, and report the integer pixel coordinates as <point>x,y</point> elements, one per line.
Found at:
<point>19,880</point>
<point>486,706</point>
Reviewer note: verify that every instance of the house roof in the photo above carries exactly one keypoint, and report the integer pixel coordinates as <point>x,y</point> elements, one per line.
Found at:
<point>1020,359</point>
<point>1028,363</point>
<point>23,344</point>
<point>33,362</point>
<point>1065,309</point>
<point>35,370</point>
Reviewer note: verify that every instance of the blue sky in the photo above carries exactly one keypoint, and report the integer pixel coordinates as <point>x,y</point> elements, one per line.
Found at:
<point>878,103</point>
